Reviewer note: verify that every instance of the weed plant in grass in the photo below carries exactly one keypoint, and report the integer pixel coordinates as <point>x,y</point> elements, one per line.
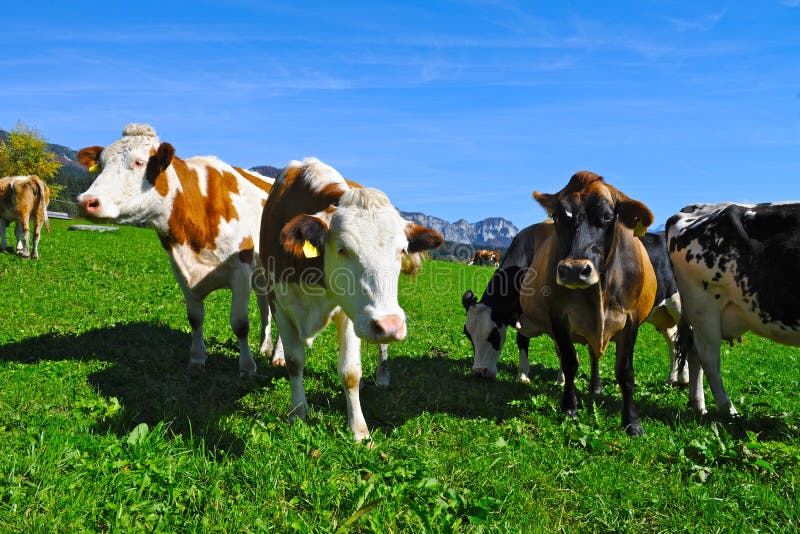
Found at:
<point>102,428</point>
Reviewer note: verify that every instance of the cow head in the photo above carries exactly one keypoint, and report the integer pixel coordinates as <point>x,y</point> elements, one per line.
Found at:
<point>486,334</point>
<point>588,215</point>
<point>362,240</point>
<point>127,188</point>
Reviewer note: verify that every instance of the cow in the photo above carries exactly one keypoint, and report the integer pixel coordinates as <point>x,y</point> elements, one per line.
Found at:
<point>590,281</point>
<point>738,270</point>
<point>23,197</point>
<point>499,308</point>
<point>207,215</point>
<point>333,251</point>
<point>485,257</point>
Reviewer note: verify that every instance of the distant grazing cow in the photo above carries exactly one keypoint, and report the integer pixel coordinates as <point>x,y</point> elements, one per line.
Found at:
<point>485,257</point>
<point>738,270</point>
<point>590,281</point>
<point>499,308</point>
<point>23,197</point>
<point>333,251</point>
<point>207,215</point>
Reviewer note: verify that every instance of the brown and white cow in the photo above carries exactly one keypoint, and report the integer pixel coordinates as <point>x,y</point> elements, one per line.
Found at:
<point>23,197</point>
<point>207,215</point>
<point>590,281</point>
<point>333,251</point>
<point>485,257</point>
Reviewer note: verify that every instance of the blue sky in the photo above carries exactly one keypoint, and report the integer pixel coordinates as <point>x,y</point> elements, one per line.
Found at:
<point>457,109</point>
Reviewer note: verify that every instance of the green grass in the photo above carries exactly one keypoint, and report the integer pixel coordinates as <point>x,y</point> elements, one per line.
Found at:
<point>102,428</point>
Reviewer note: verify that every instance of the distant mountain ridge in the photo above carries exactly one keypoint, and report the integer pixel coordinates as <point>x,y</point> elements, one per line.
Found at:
<point>491,232</point>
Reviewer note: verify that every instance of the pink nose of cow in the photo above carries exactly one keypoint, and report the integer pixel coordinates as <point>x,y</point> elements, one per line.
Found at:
<point>388,328</point>
<point>89,205</point>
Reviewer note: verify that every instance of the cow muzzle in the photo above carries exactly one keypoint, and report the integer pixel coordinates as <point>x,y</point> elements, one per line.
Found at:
<point>388,328</point>
<point>89,206</point>
<point>576,274</point>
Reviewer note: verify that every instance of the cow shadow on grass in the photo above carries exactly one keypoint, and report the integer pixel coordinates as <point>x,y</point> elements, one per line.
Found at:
<point>148,376</point>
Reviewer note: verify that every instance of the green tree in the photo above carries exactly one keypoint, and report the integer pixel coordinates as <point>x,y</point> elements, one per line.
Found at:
<point>25,152</point>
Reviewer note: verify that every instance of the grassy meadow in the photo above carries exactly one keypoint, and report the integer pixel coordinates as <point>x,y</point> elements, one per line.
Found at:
<point>102,428</point>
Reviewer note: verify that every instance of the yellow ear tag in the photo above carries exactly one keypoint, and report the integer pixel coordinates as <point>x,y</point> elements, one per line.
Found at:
<point>639,230</point>
<point>309,250</point>
<point>94,168</point>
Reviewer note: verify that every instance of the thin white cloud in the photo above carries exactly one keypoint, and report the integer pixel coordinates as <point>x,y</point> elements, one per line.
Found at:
<point>703,24</point>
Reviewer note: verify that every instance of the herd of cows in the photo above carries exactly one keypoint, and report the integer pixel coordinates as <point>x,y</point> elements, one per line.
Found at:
<point>319,248</point>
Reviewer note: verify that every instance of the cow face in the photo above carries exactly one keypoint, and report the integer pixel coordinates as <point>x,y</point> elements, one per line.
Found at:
<point>362,240</point>
<point>587,214</point>
<point>126,188</point>
<point>486,335</point>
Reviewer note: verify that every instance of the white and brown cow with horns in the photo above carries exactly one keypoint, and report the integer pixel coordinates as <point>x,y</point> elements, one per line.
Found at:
<point>333,251</point>
<point>207,215</point>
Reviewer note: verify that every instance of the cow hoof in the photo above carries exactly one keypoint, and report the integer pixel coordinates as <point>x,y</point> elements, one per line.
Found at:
<point>524,378</point>
<point>279,361</point>
<point>571,413</point>
<point>634,429</point>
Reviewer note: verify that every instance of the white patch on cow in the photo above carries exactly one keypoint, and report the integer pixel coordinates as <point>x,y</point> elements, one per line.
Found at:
<point>568,213</point>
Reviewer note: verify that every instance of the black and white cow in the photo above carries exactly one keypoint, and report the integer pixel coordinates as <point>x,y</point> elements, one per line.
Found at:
<point>738,269</point>
<point>499,308</point>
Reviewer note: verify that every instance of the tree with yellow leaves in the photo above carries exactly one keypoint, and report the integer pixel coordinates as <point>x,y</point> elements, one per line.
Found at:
<point>25,152</point>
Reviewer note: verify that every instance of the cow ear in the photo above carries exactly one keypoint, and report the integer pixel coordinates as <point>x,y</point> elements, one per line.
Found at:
<point>304,236</point>
<point>635,215</point>
<point>421,238</point>
<point>89,156</point>
<point>159,161</point>
<point>468,299</point>
<point>547,201</point>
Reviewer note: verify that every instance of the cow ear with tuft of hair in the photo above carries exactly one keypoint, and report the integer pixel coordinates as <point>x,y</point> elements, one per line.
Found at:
<point>302,234</point>
<point>635,215</point>
<point>89,156</point>
<point>421,238</point>
<point>547,201</point>
<point>159,161</point>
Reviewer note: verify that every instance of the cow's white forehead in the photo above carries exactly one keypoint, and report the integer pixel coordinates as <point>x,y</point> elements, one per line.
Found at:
<point>134,137</point>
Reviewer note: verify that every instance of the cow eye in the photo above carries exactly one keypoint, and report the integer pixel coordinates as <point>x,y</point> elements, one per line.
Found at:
<point>341,251</point>
<point>607,218</point>
<point>138,164</point>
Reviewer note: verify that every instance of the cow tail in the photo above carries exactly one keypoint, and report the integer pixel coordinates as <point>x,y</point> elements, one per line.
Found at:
<point>683,342</point>
<point>44,201</point>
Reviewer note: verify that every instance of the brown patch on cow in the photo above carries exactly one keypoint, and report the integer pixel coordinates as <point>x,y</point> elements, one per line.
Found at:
<point>421,238</point>
<point>255,179</point>
<point>352,378</point>
<point>90,155</point>
<point>246,250</point>
<point>289,199</point>
<point>166,242</point>
<point>195,218</point>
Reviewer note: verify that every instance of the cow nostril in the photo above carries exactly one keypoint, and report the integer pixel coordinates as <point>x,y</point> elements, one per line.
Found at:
<point>587,271</point>
<point>377,328</point>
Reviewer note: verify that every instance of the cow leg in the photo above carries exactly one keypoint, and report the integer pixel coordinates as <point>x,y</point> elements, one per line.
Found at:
<point>196,312</point>
<point>594,383</point>
<point>240,322</point>
<point>265,344</point>
<point>22,233</point>
<point>677,376</point>
<point>560,376</point>
<point>295,351</point>
<point>624,373</point>
<point>705,349</point>
<point>569,365</point>
<point>37,234</point>
<point>523,343</point>
<point>3,226</point>
<point>382,372</point>
<point>350,374</point>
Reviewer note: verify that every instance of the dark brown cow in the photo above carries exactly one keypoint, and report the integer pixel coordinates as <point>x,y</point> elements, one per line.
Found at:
<point>590,281</point>
<point>485,257</point>
<point>23,197</point>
